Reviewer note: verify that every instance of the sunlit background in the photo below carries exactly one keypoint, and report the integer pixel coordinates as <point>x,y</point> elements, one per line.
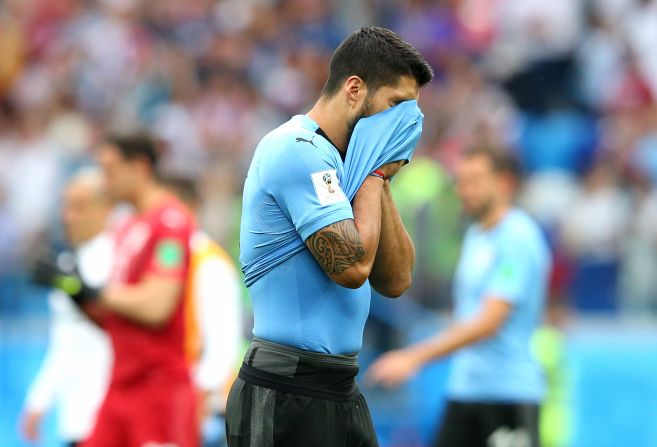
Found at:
<point>569,85</point>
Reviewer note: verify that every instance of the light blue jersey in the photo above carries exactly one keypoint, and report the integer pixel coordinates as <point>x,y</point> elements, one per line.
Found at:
<point>387,136</point>
<point>292,190</point>
<point>510,262</point>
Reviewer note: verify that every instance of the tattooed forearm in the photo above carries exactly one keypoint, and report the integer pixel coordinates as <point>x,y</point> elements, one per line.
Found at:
<point>337,247</point>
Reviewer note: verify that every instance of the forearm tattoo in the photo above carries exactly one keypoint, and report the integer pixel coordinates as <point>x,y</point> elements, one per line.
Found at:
<point>337,247</point>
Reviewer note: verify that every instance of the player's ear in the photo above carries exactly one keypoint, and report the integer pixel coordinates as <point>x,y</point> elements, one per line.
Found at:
<point>355,91</point>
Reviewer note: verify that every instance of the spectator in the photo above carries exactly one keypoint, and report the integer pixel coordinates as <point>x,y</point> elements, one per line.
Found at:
<point>638,283</point>
<point>592,229</point>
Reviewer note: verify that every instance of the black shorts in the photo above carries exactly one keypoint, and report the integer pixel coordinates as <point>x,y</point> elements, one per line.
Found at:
<point>489,425</point>
<point>289,397</point>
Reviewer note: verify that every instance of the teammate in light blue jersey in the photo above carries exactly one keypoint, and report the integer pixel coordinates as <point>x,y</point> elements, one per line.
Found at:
<point>495,385</point>
<point>310,254</point>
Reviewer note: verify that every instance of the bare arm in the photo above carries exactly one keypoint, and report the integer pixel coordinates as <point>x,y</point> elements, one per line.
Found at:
<point>395,256</point>
<point>398,366</point>
<point>346,250</point>
<point>493,315</point>
<point>151,302</point>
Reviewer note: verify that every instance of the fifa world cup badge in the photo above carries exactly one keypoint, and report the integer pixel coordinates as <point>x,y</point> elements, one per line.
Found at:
<point>328,180</point>
<point>327,187</point>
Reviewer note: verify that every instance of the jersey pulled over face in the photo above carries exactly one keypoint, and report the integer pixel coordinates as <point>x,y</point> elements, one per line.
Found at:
<point>153,243</point>
<point>292,190</point>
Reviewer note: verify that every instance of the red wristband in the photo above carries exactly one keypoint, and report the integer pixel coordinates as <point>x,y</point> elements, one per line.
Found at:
<point>379,174</point>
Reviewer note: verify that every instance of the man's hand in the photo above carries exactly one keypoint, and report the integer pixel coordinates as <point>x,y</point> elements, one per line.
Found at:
<point>31,425</point>
<point>60,272</point>
<point>393,368</point>
<point>390,169</point>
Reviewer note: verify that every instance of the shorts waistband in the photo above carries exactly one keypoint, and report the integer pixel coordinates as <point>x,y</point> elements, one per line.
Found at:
<point>291,370</point>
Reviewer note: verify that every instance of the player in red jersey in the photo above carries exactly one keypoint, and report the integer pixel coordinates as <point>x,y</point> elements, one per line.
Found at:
<point>151,401</point>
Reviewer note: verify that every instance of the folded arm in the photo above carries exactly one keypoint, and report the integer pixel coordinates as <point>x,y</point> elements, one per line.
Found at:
<point>346,250</point>
<point>150,302</point>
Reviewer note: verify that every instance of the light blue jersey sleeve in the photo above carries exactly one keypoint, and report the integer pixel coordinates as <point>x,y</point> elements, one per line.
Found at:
<point>305,182</point>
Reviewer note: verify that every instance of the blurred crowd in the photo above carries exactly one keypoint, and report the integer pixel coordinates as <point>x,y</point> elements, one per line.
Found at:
<point>570,85</point>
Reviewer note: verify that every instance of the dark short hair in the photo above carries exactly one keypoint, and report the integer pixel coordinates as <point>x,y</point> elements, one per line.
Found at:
<point>502,161</point>
<point>379,57</point>
<point>135,147</point>
<point>183,187</point>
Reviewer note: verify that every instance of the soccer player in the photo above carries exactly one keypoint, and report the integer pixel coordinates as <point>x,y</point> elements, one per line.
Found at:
<point>309,256</point>
<point>75,372</point>
<point>150,400</point>
<point>499,290</point>
<point>213,313</point>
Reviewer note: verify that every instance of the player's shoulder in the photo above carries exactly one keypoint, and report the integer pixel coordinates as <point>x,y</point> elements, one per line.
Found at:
<point>102,243</point>
<point>516,222</point>
<point>521,220</point>
<point>523,230</point>
<point>172,214</point>
<point>298,125</point>
<point>294,138</point>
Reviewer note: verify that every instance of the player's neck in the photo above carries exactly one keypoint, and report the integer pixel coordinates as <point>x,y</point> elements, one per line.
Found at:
<point>148,197</point>
<point>329,118</point>
<point>494,217</point>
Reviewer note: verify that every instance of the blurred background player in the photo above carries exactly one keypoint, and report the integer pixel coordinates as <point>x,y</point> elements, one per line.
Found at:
<point>150,399</point>
<point>496,385</point>
<point>213,317</point>
<point>74,375</point>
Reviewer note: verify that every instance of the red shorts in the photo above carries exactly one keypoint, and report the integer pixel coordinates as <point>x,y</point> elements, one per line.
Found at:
<point>147,416</point>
